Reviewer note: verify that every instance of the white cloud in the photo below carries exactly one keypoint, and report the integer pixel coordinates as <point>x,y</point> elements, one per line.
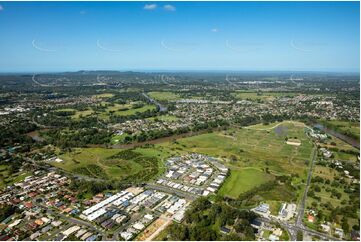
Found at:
<point>150,6</point>
<point>39,48</point>
<point>169,7</point>
<point>215,30</point>
<point>1,7</point>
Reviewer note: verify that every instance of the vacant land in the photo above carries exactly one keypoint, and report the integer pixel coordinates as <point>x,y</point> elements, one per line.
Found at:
<point>98,162</point>
<point>261,95</point>
<point>164,118</point>
<point>133,165</point>
<point>7,178</point>
<point>108,109</point>
<point>243,180</point>
<point>77,114</point>
<point>164,96</point>
<point>104,95</point>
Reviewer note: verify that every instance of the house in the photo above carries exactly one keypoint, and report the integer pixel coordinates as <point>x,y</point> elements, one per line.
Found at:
<point>273,237</point>
<point>339,232</point>
<point>310,218</point>
<point>325,227</point>
<point>262,208</point>
<point>256,223</point>
<point>225,230</point>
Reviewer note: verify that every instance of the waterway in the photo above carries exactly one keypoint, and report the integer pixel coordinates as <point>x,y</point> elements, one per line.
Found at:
<point>351,141</point>
<point>36,136</point>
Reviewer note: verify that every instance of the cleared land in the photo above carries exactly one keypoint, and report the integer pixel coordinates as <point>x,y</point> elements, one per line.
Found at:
<point>164,118</point>
<point>114,164</point>
<point>164,96</point>
<point>77,114</point>
<point>104,95</point>
<point>262,95</point>
<point>243,180</point>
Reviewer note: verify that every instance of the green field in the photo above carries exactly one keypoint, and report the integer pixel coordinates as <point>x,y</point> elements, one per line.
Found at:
<point>164,96</point>
<point>123,110</point>
<point>261,95</point>
<point>97,162</point>
<point>7,179</point>
<point>135,110</point>
<point>243,180</point>
<point>166,117</point>
<point>78,113</point>
<point>104,95</point>
<point>139,164</point>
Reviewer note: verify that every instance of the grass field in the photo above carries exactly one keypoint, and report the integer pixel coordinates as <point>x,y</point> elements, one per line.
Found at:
<point>243,180</point>
<point>164,118</point>
<point>139,164</point>
<point>123,110</point>
<point>163,96</point>
<point>7,179</point>
<point>78,113</point>
<point>135,110</point>
<point>261,96</point>
<point>104,95</point>
<point>97,162</point>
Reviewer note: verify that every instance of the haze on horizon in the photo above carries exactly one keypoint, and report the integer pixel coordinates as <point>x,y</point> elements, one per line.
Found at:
<point>282,36</point>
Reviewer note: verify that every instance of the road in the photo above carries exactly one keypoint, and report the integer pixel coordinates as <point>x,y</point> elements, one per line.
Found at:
<point>69,219</point>
<point>179,193</point>
<point>274,126</point>
<point>301,206</point>
<point>298,226</point>
<point>295,228</point>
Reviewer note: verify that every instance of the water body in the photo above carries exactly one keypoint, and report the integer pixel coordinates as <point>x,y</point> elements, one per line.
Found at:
<point>281,130</point>
<point>35,136</point>
<point>351,141</point>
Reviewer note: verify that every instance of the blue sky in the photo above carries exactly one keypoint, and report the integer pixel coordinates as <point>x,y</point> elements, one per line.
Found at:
<point>70,36</point>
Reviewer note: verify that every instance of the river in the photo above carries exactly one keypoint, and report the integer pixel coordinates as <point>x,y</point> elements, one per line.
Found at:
<point>351,141</point>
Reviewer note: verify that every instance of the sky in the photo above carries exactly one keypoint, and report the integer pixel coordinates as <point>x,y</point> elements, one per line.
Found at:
<point>256,36</point>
